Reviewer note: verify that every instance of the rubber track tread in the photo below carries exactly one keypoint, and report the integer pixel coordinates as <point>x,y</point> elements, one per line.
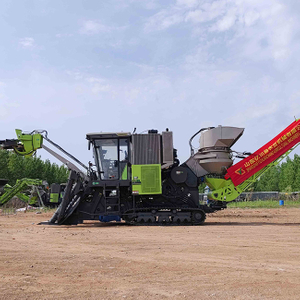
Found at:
<point>156,223</point>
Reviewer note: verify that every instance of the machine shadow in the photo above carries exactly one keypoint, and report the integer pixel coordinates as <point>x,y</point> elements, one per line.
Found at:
<point>248,224</point>
<point>123,224</point>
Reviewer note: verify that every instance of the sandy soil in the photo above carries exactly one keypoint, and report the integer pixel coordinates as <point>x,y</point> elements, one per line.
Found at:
<point>237,254</point>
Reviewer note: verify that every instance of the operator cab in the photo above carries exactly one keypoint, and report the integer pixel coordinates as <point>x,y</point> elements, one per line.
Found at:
<point>111,152</point>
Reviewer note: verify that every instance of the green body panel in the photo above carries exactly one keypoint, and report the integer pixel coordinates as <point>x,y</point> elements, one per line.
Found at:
<point>124,173</point>
<point>54,197</point>
<point>31,142</point>
<point>221,189</point>
<point>146,179</point>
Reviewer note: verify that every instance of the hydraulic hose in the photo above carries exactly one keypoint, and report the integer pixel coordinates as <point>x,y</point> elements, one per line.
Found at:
<point>190,141</point>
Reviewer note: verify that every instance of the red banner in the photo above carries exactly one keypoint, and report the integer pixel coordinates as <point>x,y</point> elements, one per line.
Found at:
<point>247,167</point>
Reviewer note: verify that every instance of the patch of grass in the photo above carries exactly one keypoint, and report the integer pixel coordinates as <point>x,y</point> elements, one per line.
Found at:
<point>7,211</point>
<point>263,204</point>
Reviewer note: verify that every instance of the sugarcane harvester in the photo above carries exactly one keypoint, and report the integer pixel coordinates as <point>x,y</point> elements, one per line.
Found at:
<point>139,179</point>
<point>17,190</point>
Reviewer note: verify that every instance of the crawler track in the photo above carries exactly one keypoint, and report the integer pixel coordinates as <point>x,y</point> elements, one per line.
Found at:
<point>165,216</point>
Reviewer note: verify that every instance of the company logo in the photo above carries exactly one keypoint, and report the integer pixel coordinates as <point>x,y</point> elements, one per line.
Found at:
<point>240,171</point>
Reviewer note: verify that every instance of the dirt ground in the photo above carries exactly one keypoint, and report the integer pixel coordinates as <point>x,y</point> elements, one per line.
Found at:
<point>237,254</point>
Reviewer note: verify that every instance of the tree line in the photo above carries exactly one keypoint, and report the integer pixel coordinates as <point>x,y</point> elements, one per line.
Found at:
<point>13,167</point>
<point>285,177</point>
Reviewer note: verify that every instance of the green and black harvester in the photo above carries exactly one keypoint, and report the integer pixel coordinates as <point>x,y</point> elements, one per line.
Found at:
<point>139,179</point>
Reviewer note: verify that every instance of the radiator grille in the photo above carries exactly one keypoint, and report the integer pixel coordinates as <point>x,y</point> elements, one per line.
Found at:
<point>167,144</point>
<point>146,149</point>
<point>150,179</point>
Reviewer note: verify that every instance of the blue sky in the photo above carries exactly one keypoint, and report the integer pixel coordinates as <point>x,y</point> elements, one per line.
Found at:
<point>73,67</point>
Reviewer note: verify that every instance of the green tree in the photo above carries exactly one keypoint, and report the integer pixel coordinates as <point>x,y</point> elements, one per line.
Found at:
<point>269,181</point>
<point>287,174</point>
<point>34,167</point>
<point>296,184</point>
<point>50,172</point>
<point>16,167</point>
<point>4,170</point>
<point>62,174</point>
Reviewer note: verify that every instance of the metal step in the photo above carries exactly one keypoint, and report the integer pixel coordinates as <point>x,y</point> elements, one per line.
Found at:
<point>112,199</point>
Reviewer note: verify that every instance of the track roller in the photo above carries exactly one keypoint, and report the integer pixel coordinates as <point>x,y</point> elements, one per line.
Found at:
<point>198,217</point>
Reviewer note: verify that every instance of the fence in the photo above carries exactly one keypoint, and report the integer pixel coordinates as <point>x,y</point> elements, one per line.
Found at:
<point>253,196</point>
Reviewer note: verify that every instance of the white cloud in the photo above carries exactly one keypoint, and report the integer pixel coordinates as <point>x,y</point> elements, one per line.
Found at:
<point>27,42</point>
<point>226,77</point>
<point>188,3</point>
<point>2,85</point>
<point>250,17</point>
<point>295,104</point>
<point>61,35</point>
<point>95,80</point>
<point>98,88</point>
<point>260,111</point>
<point>75,74</point>
<point>163,20</point>
<point>249,22</point>
<point>7,108</point>
<point>98,85</point>
<point>207,12</point>
<point>146,4</point>
<point>94,27</point>
<point>226,22</point>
